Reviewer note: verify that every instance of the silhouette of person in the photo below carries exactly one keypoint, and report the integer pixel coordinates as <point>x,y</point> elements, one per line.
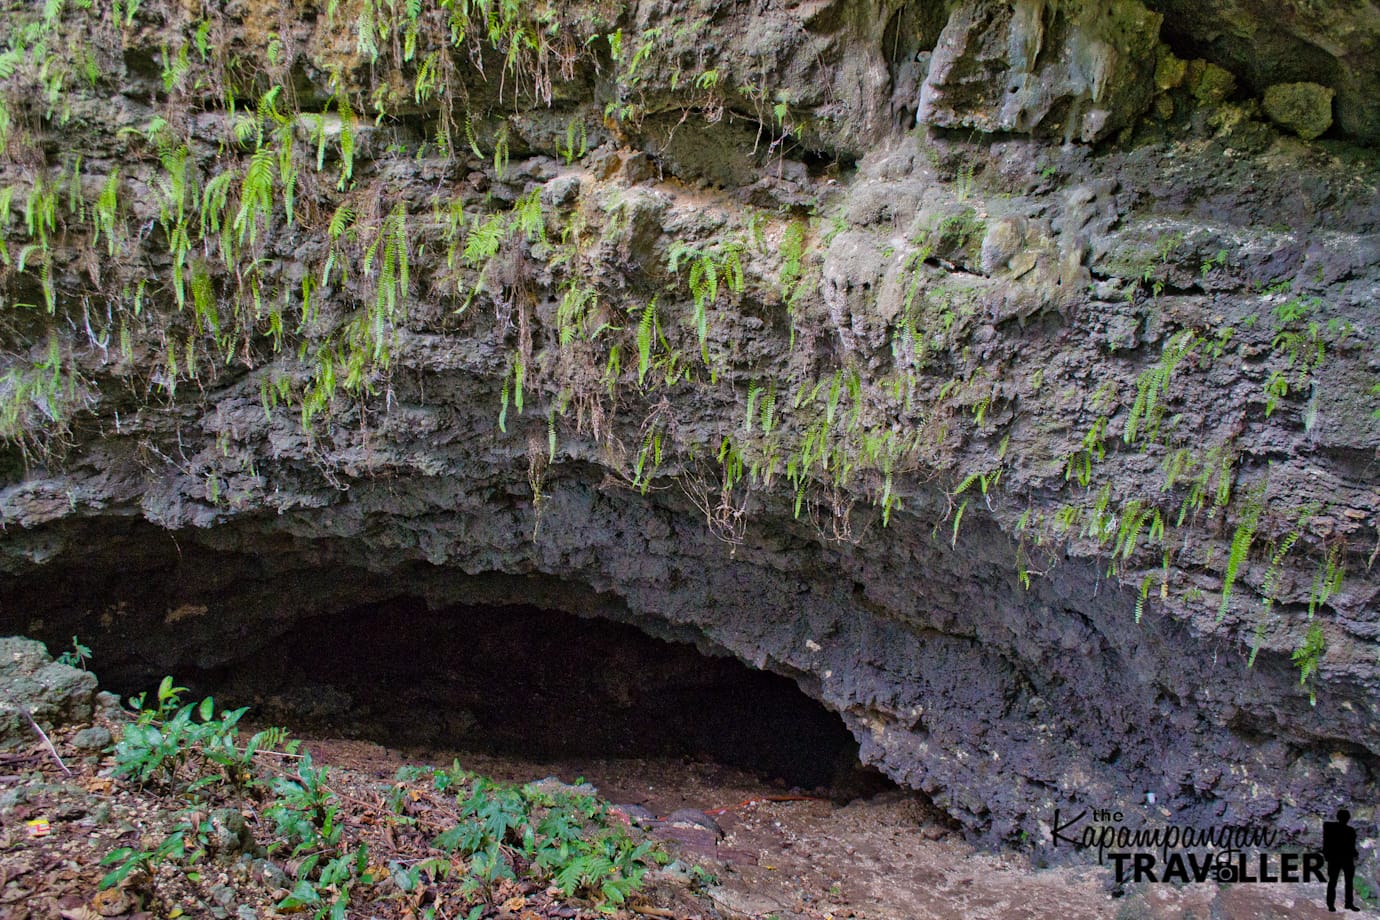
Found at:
<point>1339,849</point>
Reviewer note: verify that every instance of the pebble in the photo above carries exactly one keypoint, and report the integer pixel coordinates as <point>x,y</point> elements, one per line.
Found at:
<point>676,871</point>
<point>272,875</point>
<point>694,818</point>
<point>94,738</point>
<point>636,814</point>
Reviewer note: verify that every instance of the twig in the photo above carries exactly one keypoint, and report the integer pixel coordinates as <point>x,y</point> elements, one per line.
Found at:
<point>42,734</point>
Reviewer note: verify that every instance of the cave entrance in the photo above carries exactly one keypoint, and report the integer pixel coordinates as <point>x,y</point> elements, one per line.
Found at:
<point>520,681</point>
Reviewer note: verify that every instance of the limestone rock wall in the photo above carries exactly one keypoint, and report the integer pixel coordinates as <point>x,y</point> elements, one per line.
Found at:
<point>1039,441</point>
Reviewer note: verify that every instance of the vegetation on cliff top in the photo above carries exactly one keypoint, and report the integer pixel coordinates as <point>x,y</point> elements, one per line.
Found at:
<point>289,213</point>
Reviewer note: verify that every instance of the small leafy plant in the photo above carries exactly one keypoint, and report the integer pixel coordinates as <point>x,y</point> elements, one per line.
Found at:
<point>1308,655</point>
<point>566,839</point>
<point>75,657</point>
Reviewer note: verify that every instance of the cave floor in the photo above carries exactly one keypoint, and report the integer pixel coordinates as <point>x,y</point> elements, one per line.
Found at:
<point>774,854</point>
<point>888,856</point>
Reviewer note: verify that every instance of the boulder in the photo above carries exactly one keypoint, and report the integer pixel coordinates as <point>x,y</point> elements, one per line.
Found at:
<point>1304,108</point>
<point>30,681</point>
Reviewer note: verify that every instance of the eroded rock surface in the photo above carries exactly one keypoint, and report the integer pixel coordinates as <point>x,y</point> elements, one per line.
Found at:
<point>1050,467</point>
<point>34,686</point>
<point>1076,71</point>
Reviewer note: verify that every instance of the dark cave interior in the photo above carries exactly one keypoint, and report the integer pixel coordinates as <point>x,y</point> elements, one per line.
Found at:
<point>526,682</point>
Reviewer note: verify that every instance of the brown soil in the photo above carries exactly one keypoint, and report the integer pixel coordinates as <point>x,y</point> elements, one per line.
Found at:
<point>888,857</point>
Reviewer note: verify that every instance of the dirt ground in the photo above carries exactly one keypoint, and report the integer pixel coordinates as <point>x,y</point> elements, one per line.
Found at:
<point>887,857</point>
<point>747,849</point>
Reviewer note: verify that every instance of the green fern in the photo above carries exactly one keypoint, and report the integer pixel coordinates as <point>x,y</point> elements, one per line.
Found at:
<point>754,391</point>
<point>769,409</point>
<point>1328,580</point>
<point>1141,595</point>
<point>648,460</point>
<point>613,369</point>
<point>646,331</point>
<point>390,248</point>
<point>958,519</point>
<point>204,300</point>
<point>347,140</point>
<point>484,240</point>
<point>501,153</point>
<point>1308,655</point>
<point>503,407</point>
<point>1134,516</point>
<point>1267,586</point>
<point>528,217</point>
<point>256,197</point>
<point>106,213</point>
<point>1240,548</point>
<point>1153,385</point>
<point>576,302</point>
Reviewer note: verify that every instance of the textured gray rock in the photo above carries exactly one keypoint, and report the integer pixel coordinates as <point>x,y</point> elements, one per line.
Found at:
<point>95,738</point>
<point>1304,108</point>
<point>1073,70</point>
<point>30,681</point>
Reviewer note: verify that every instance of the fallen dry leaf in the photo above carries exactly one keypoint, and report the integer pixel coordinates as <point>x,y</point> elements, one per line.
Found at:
<point>79,913</point>
<point>112,902</point>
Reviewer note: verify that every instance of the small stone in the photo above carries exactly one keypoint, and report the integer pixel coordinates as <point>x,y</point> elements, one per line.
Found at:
<point>94,738</point>
<point>228,830</point>
<point>692,818</point>
<point>560,191</point>
<point>31,682</point>
<point>604,163</point>
<point>1122,332</point>
<point>1008,67</point>
<point>638,167</point>
<point>1304,108</point>
<point>271,873</point>
<point>635,814</point>
<point>71,811</point>
<point>1209,83</point>
<point>677,872</point>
